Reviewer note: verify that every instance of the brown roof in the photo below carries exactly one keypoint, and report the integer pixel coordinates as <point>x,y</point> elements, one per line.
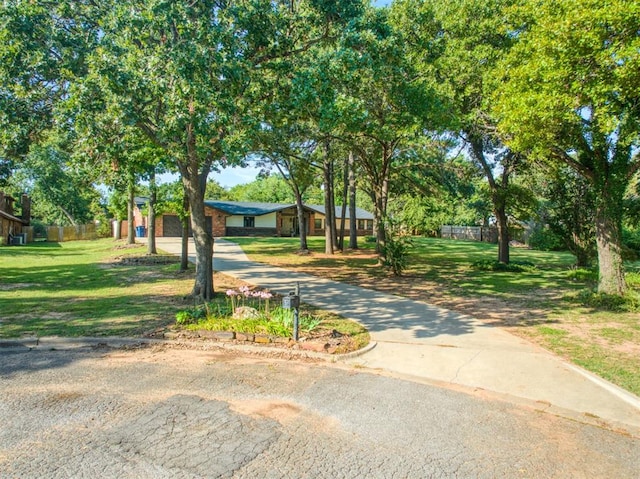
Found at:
<point>12,218</point>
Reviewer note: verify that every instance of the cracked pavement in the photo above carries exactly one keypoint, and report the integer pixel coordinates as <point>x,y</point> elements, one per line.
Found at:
<point>160,412</point>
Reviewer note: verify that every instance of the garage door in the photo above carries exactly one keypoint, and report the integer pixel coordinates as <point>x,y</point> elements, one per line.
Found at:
<point>172,227</point>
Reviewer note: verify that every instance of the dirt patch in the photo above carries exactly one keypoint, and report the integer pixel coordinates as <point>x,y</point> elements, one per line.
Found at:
<point>282,412</point>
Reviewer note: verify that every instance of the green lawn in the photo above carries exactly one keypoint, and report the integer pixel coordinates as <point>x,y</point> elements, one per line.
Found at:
<point>546,305</point>
<point>83,288</point>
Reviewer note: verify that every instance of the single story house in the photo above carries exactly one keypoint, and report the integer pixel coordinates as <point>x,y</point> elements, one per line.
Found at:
<point>234,218</point>
<point>11,226</point>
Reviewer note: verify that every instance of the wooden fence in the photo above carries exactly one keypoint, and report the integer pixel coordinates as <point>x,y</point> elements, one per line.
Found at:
<point>473,233</point>
<point>58,234</point>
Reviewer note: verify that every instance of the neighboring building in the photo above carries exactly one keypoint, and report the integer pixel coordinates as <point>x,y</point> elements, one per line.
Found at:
<point>233,218</point>
<point>11,226</point>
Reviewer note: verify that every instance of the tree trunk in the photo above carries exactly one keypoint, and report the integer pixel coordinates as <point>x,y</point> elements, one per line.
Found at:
<point>184,219</point>
<point>131,238</point>
<point>503,231</point>
<point>195,171</point>
<point>353,231</point>
<point>301,222</point>
<point>608,240</point>
<point>345,195</point>
<point>498,195</point>
<point>203,287</point>
<point>151,215</point>
<point>378,214</point>
<point>118,232</point>
<point>328,194</point>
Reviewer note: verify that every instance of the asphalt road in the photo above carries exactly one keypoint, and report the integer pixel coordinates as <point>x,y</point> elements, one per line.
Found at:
<point>161,412</point>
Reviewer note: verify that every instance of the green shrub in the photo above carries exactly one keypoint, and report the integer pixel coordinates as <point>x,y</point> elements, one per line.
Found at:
<point>395,253</point>
<point>190,315</point>
<point>633,279</point>
<point>104,229</point>
<point>370,239</point>
<point>631,239</point>
<point>39,228</point>
<point>217,317</point>
<point>544,239</point>
<point>629,303</point>
<point>583,274</point>
<point>512,267</point>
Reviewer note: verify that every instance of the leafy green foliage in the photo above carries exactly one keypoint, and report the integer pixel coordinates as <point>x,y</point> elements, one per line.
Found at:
<point>633,279</point>
<point>611,302</point>
<point>266,189</point>
<point>61,193</point>
<point>631,239</point>
<point>395,253</point>
<point>544,239</point>
<point>567,92</point>
<point>190,315</point>
<point>275,322</point>
<point>583,275</point>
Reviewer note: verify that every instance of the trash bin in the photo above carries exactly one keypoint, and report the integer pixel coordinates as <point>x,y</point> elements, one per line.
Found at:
<point>140,231</point>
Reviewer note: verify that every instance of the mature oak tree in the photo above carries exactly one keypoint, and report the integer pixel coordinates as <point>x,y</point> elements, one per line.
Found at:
<point>570,93</point>
<point>190,76</point>
<point>456,45</point>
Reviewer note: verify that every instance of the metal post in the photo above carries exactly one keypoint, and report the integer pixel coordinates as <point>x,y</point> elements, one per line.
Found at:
<point>295,313</point>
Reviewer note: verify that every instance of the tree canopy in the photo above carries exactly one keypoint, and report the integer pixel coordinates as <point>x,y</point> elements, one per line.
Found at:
<point>569,92</point>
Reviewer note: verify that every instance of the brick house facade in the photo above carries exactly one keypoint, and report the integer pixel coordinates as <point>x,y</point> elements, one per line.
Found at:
<point>231,218</point>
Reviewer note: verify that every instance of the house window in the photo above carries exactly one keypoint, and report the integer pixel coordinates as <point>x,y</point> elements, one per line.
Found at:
<point>317,224</point>
<point>249,221</point>
<point>365,224</point>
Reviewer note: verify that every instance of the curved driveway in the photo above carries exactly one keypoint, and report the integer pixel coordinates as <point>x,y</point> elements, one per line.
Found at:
<point>157,412</point>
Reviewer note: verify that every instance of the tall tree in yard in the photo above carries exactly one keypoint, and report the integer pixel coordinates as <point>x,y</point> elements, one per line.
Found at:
<point>42,49</point>
<point>457,45</point>
<point>285,150</point>
<point>570,93</point>
<point>384,103</point>
<point>190,76</point>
